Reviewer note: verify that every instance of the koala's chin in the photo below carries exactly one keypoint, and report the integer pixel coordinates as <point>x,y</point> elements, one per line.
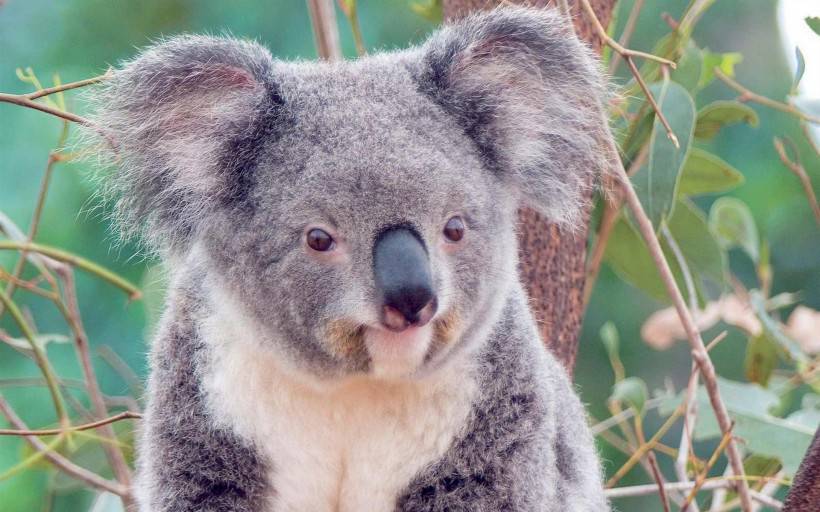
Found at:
<point>397,354</point>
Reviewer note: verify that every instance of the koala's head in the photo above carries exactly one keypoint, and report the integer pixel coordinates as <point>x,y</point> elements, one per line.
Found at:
<point>362,212</point>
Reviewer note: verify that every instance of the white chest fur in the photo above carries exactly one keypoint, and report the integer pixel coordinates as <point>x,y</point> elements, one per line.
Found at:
<point>350,448</point>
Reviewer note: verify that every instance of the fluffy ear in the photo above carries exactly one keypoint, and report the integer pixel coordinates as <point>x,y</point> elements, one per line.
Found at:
<point>530,95</point>
<point>183,123</point>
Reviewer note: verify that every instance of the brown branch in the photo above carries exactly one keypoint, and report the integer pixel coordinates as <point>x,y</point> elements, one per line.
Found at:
<point>625,52</point>
<point>66,466</point>
<point>701,478</point>
<point>628,55</point>
<point>711,484</point>
<point>127,415</point>
<point>656,474</point>
<point>325,29</point>
<point>609,219</point>
<point>67,87</point>
<point>699,353</point>
<point>747,95</point>
<point>797,169</point>
<point>23,101</point>
<point>348,7</point>
<point>71,312</point>
<point>626,35</point>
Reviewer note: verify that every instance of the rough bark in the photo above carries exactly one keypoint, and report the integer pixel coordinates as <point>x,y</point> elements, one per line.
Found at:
<point>804,495</point>
<point>551,261</point>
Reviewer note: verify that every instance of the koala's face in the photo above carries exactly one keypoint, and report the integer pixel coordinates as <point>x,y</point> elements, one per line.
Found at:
<point>362,212</point>
<point>373,235</point>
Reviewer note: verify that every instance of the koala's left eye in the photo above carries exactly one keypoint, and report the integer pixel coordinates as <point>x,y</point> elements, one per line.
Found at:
<point>319,240</point>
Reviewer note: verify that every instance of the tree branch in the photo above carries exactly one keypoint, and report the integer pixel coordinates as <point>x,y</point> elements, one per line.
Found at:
<point>747,95</point>
<point>60,462</point>
<point>797,169</point>
<point>699,353</point>
<point>127,415</point>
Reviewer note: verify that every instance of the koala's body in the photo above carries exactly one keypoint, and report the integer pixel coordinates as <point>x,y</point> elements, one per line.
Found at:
<point>345,329</point>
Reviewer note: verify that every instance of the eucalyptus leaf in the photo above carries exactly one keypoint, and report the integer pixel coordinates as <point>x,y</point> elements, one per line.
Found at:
<point>814,23</point>
<point>41,340</point>
<point>626,252</point>
<point>724,61</point>
<point>749,406</point>
<point>718,114</point>
<point>732,222</point>
<point>701,250</point>
<point>610,338</point>
<point>706,173</point>
<point>632,391</point>
<point>689,67</point>
<point>801,68</point>
<point>761,359</point>
<point>656,183</point>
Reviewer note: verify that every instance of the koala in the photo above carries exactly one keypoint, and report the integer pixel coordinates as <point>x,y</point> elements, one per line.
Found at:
<point>345,328</point>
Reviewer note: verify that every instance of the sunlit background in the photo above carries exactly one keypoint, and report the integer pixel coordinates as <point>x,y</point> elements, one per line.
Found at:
<point>79,39</point>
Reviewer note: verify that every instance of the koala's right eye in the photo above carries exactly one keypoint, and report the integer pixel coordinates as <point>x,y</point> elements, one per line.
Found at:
<point>320,240</point>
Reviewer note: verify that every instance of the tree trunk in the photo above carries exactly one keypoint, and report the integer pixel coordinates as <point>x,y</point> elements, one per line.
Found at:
<point>552,262</point>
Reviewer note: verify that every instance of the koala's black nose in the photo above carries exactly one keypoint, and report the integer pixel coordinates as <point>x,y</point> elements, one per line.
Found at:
<point>402,270</point>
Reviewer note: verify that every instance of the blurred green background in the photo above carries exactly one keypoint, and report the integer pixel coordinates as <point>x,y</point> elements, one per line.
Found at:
<point>79,39</point>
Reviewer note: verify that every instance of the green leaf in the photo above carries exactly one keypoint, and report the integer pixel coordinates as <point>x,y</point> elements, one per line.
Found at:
<point>732,222</point>
<point>432,10</point>
<point>809,414</point>
<point>656,183</point>
<point>761,359</point>
<point>724,61</point>
<point>772,328</point>
<point>705,173</point>
<point>801,68</point>
<point>626,252</point>
<point>702,252</point>
<point>689,67</point>
<point>632,391</point>
<point>760,432</point>
<point>814,23</point>
<point>718,114</point>
<point>610,339</point>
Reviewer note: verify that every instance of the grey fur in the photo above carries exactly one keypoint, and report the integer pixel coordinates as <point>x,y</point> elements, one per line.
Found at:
<point>226,156</point>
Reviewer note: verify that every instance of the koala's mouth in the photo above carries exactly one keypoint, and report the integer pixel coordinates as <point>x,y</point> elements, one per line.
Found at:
<point>381,352</point>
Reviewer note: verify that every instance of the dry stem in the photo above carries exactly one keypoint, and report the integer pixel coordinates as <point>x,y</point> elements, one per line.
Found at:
<point>797,169</point>
<point>92,479</point>
<point>325,29</point>
<point>699,353</point>
<point>127,415</point>
<point>747,95</point>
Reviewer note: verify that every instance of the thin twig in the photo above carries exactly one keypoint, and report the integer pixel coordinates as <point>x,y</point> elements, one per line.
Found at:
<point>66,466</point>
<point>701,478</point>
<point>747,95</point>
<point>325,29</point>
<point>626,35</point>
<point>699,353</point>
<point>348,7</point>
<point>23,101</point>
<point>612,210</point>
<point>40,358</point>
<point>628,55</point>
<point>67,87</point>
<point>625,52</point>
<point>656,474</point>
<point>711,484</point>
<point>34,225</point>
<point>72,315</point>
<point>127,415</point>
<point>644,447</point>
<point>76,261</point>
<point>797,169</point>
